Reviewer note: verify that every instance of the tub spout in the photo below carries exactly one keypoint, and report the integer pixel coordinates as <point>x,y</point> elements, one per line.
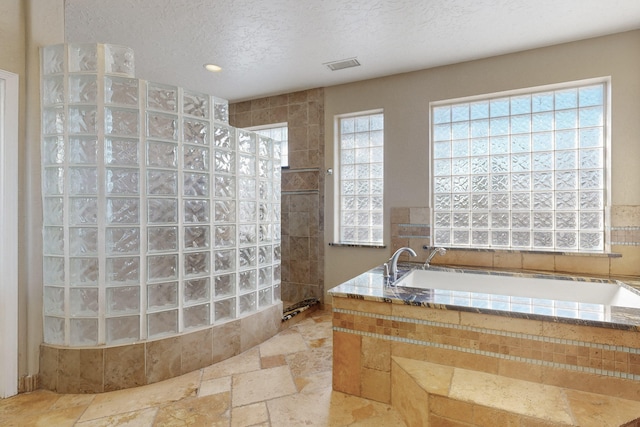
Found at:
<point>391,269</point>
<point>434,252</point>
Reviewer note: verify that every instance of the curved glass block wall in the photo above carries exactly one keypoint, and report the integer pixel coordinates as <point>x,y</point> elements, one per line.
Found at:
<point>159,217</point>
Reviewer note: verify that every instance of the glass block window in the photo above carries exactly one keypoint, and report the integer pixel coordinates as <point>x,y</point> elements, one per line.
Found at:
<point>361,178</point>
<point>279,132</point>
<point>522,170</point>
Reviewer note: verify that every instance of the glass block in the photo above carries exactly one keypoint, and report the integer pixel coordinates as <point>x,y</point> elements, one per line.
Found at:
<point>264,233</point>
<point>224,186</point>
<point>221,110</point>
<point>591,220</point>
<point>121,152</point>
<point>566,240</point>
<point>542,239</point>
<point>566,200</point>
<point>162,154</point>
<point>53,240</point>
<point>162,97</point>
<point>120,121</point>
<point>52,90</point>
<point>277,274</point>
<point>246,141</point>
<point>224,309</point>
<point>247,280</point>
<point>247,211</point>
<point>53,59</point>
<point>247,188</point>
<point>265,169</point>
<point>83,180</point>
<point>53,270</point>
<point>162,239</point>
<point>591,117</point>
<point>195,131</point>
<point>196,290</point>
<point>591,199</point>
<point>247,234</point>
<point>119,90</point>
<point>53,121</point>
<point>162,267</point>
<point>162,126</point>
<point>123,300</point>
<point>83,332</point>
<point>119,60</point>
<point>195,104</point>
<point>591,241</point>
<point>196,263</point>
<point>277,292</point>
<point>225,285</point>
<point>247,303</point>
<point>196,316</point>
<point>521,238</point>
<point>591,159</point>
<point>123,211</point>
<point>277,253</point>
<point>480,238</point>
<point>247,165</point>
<point>83,302</point>
<point>224,236</point>
<point>53,150</point>
<point>83,57</point>
<point>223,137</point>
<point>53,300</point>
<point>224,161</point>
<point>162,211</point>
<point>83,271</point>
<point>265,297</point>
<point>264,212</point>
<point>124,329</point>
<point>591,179</point>
<point>265,190</point>
<point>162,323</point>
<point>161,182</point>
<point>122,181</point>
<point>83,241</point>
<point>53,211</point>
<point>225,260</point>
<point>83,89</point>
<point>83,150</point>
<point>225,211</point>
<point>196,211</point>
<point>122,240</point>
<point>162,295</point>
<point>196,237</point>
<point>82,120</point>
<point>196,184</point>
<point>542,220</point>
<point>54,330</point>
<point>195,158</point>
<point>247,257</point>
<point>498,238</point>
<point>123,271</point>
<point>265,275</point>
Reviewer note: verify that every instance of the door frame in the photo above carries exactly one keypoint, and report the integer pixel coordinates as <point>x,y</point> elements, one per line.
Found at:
<point>9,98</point>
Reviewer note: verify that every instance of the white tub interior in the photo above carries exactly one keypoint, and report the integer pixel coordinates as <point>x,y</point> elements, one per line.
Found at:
<point>528,287</point>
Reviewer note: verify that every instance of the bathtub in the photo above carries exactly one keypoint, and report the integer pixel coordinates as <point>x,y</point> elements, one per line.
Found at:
<point>520,291</point>
<point>582,333</point>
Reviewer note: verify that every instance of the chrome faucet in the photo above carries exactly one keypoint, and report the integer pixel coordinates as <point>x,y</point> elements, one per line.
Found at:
<point>391,266</point>
<point>438,251</point>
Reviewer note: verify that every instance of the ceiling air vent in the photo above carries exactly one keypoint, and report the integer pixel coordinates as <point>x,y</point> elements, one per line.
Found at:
<point>342,64</point>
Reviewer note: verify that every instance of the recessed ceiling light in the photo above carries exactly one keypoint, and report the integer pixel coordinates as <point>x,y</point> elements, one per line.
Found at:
<point>212,67</point>
<point>342,64</point>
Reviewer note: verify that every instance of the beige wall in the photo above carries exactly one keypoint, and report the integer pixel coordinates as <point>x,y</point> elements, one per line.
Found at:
<point>405,99</point>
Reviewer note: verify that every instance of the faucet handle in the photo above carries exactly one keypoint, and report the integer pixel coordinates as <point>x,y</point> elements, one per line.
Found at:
<point>385,266</point>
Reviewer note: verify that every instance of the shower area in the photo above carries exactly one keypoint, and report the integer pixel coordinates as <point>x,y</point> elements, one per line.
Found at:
<point>161,237</point>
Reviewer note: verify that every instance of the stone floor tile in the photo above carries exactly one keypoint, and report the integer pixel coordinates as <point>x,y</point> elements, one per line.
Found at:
<point>215,386</point>
<point>214,410</point>
<point>284,343</point>
<point>140,418</point>
<point>252,387</point>
<point>244,362</point>
<point>250,415</point>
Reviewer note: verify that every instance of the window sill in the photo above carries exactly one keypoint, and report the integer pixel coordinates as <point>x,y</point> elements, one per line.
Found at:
<point>536,252</point>
<point>357,245</point>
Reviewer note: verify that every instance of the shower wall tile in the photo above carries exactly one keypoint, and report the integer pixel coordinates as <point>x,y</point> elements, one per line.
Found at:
<point>80,371</point>
<point>164,359</point>
<point>229,334</point>
<point>197,350</point>
<point>124,367</point>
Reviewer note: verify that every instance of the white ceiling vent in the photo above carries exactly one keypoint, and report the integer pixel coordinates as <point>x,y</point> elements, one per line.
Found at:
<point>342,64</point>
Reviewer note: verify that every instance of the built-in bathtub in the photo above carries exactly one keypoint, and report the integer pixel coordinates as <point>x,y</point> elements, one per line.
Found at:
<point>575,332</point>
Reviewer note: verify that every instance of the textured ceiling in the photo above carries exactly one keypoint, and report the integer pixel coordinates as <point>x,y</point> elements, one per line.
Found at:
<point>267,47</point>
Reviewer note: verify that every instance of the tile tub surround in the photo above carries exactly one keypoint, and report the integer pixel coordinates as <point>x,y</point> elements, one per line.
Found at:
<point>592,356</point>
<point>103,369</point>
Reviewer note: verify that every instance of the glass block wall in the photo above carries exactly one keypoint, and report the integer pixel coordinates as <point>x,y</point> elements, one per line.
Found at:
<point>159,217</point>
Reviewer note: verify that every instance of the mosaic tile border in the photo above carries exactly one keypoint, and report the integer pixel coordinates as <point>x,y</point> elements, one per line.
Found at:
<point>584,369</point>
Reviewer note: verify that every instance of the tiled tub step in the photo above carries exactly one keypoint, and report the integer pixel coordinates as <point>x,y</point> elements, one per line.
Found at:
<point>429,394</point>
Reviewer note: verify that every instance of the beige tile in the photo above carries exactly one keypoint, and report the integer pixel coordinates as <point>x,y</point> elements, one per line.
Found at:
<point>260,326</point>
<point>80,371</point>
<point>376,385</point>
<point>122,401</point>
<point>245,362</point>
<point>197,350</point>
<point>124,367</point>
<point>311,361</point>
<point>376,354</point>
<point>422,313</point>
<point>65,417</point>
<point>582,265</point>
<point>214,410</point>
<point>523,397</point>
<point>450,409</point>
<point>314,383</point>
<point>48,367</point>
<point>71,400</point>
<point>272,361</point>
<point>541,262</point>
<point>34,402</point>
<point>140,418</point>
<point>346,362</point>
<point>507,260</point>
<point>601,411</point>
<point>250,415</point>
<point>215,386</point>
<point>164,359</point>
<point>487,321</point>
<point>226,341</point>
<point>419,216</point>
<point>284,343</point>
<point>431,377</point>
<point>629,263</point>
<point>261,385</point>
<point>400,215</point>
<point>410,400</point>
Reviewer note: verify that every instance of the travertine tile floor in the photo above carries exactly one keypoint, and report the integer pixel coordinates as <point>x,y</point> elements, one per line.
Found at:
<point>286,381</point>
